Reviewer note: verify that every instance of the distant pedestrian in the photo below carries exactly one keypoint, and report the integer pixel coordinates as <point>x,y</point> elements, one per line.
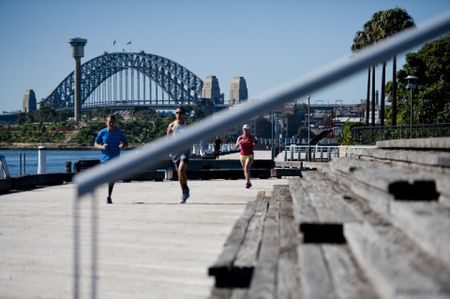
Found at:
<point>217,144</point>
<point>110,140</point>
<point>180,159</point>
<point>246,142</point>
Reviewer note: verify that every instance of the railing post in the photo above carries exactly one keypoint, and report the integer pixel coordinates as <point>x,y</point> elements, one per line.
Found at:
<point>292,147</point>
<point>24,163</point>
<point>20,163</point>
<point>42,159</point>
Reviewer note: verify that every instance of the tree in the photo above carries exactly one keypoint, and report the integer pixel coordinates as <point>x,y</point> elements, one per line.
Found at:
<point>347,137</point>
<point>431,64</point>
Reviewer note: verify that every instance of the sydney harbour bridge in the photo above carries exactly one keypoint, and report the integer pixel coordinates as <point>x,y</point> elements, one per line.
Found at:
<point>126,80</point>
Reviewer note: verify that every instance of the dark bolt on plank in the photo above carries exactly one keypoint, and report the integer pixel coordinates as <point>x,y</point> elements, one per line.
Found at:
<point>416,190</point>
<point>330,233</point>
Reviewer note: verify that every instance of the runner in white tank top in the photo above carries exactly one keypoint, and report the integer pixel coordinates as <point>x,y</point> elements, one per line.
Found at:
<point>180,159</point>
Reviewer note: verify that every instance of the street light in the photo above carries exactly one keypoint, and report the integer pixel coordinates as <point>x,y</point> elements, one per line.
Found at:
<point>309,129</point>
<point>411,83</point>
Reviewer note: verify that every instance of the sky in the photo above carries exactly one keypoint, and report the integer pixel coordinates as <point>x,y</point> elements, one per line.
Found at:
<point>269,43</point>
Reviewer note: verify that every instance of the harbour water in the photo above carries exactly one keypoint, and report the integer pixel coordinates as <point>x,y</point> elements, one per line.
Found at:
<point>56,159</point>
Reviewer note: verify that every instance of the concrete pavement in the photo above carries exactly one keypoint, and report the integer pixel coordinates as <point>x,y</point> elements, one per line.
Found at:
<point>149,246</point>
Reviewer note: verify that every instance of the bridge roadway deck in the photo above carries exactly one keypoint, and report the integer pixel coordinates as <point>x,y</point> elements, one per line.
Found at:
<point>149,246</point>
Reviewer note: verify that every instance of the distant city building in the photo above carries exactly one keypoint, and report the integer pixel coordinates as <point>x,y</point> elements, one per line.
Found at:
<point>238,90</point>
<point>294,120</point>
<point>211,90</point>
<point>29,101</point>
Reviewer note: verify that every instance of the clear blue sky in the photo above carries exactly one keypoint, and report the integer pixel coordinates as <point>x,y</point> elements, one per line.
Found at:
<point>267,42</point>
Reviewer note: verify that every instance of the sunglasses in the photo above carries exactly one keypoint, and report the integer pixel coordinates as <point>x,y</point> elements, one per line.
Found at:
<point>179,112</point>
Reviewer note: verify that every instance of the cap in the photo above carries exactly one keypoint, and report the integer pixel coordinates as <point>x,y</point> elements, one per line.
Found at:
<point>246,127</point>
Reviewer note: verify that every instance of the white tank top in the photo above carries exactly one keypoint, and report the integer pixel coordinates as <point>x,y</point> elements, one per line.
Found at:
<point>178,128</point>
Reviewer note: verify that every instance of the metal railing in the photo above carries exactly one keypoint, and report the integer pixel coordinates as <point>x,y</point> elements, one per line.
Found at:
<point>148,155</point>
<point>370,135</point>
<point>313,153</point>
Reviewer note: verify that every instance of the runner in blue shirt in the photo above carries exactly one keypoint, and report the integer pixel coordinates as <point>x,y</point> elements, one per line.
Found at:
<point>110,140</point>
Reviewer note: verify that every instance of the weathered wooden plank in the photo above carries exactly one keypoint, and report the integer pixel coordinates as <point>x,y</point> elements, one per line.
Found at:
<point>223,267</point>
<point>321,209</point>
<point>248,252</point>
<point>264,276</point>
<point>428,158</point>
<point>289,164</point>
<point>288,279</point>
<point>247,255</point>
<point>280,172</point>
<point>239,293</point>
<point>302,205</point>
<point>378,200</point>
<point>436,143</point>
<point>428,224</point>
<point>443,187</point>
<point>315,278</point>
<point>380,184</point>
<point>399,183</point>
<point>394,269</point>
<point>329,271</point>
<point>220,293</point>
<point>348,279</point>
<point>328,202</point>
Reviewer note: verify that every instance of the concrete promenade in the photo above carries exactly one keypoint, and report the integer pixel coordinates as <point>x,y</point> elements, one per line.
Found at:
<point>149,246</point>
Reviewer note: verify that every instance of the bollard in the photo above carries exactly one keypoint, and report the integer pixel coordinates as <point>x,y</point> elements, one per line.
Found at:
<point>68,166</point>
<point>20,164</point>
<point>42,159</point>
<point>24,164</point>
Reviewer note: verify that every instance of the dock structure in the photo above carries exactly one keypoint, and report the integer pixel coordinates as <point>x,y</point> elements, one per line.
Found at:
<point>372,224</point>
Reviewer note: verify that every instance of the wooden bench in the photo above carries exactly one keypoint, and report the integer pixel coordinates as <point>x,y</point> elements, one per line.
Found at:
<point>364,226</point>
<point>260,255</point>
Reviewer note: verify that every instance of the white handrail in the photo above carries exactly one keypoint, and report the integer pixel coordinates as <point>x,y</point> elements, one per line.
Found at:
<point>150,154</point>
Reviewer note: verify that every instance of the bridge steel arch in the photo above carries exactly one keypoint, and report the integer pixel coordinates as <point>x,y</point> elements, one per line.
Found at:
<point>182,86</point>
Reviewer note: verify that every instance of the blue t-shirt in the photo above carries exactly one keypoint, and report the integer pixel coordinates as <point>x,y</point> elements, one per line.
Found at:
<point>113,140</point>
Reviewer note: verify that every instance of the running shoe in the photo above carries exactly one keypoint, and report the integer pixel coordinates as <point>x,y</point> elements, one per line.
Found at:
<point>248,185</point>
<point>109,200</point>
<point>185,196</point>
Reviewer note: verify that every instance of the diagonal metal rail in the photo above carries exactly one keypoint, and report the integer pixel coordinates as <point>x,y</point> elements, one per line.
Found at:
<point>148,155</point>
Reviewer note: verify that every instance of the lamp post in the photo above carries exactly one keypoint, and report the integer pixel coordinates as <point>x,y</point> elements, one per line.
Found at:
<point>77,52</point>
<point>309,128</point>
<point>272,120</point>
<point>411,83</point>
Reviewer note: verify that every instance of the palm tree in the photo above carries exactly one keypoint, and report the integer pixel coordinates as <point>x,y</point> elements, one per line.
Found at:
<point>360,41</point>
<point>390,22</point>
<point>381,25</point>
<point>363,39</point>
